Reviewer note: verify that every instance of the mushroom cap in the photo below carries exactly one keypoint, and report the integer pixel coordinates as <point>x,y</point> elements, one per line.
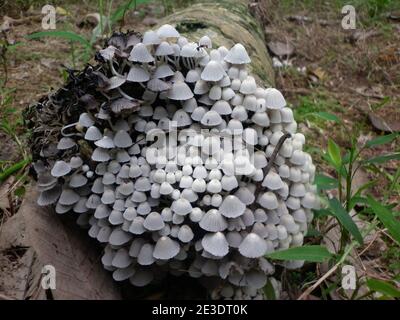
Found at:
<point>66,143</point>
<point>232,207</point>
<point>60,168</point>
<point>213,71</point>
<point>216,244</point>
<point>185,234</point>
<point>167,31</point>
<point>164,49</point>
<point>77,180</point>
<point>163,71</point>
<point>140,53</point>
<point>180,91</point>
<point>222,107</point>
<point>166,248</point>
<point>119,237</point>
<point>49,197</point>
<point>237,55</point>
<point>274,99</point>
<point>122,139</point>
<point>137,74</point>
<point>272,181</point>
<point>141,277</point>
<point>248,86</point>
<point>145,256</point>
<point>153,222</point>
<point>268,200</point>
<point>181,207</point>
<point>150,37</point>
<point>213,221</point>
<point>211,118</point>
<point>253,246</point>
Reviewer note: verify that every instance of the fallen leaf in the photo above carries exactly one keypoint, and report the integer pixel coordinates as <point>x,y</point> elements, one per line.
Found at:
<point>386,124</point>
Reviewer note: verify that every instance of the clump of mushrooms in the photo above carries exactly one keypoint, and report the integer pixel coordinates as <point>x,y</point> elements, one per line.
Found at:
<point>177,162</point>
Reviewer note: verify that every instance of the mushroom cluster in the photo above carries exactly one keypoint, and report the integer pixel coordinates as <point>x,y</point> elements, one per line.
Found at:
<point>177,161</point>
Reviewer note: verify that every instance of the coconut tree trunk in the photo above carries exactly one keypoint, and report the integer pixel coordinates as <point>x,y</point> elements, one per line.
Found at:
<point>50,240</point>
<point>227,22</point>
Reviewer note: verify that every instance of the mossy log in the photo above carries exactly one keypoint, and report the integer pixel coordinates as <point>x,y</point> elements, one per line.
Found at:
<point>227,22</point>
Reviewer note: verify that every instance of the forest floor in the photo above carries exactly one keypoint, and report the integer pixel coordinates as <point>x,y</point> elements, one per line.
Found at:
<point>354,74</point>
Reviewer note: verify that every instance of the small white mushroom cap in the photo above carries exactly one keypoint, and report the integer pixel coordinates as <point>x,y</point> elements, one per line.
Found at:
<point>253,246</point>
<point>201,87</point>
<point>213,71</point>
<point>68,197</point>
<point>205,41</point>
<point>150,37</point>
<point>119,237</point>
<point>141,277</point>
<point>256,279</point>
<point>121,259</point>
<point>140,53</point>
<point>123,274</point>
<point>245,195</point>
<point>185,234</point>
<point>237,55</point>
<point>274,99</point>
<point>222,107</point>
<point>65,143</point>
<point>181,207</point>
<point>297,190</point>
<point>180,91</point>
<point>137,74</point>
<point>145,256</point>
<point>60,168</point>
<point>164,49</point>
<point>163,71</point>
<point>268,200</point>
<point>166,248</point>
<point>248,85</point>
<point>167,31</point>
<point>216,244</point>
<point>77,180</point>
<point>232,207</point>
<point>272,181</point>
<point>213,221</point>
<point>211,118</point>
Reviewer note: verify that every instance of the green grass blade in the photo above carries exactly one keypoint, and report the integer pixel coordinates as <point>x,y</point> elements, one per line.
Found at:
<point>324,182</point>
<point>72,36</point>
<point>384,158</point>
<point>334,153</point>
<point>14,168</point>
<point>312,253</point>
<point>327,116</point>
<point>382,140</point>
<point>345,220</point>
<point>386,217</point>
<point>383,287</point>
